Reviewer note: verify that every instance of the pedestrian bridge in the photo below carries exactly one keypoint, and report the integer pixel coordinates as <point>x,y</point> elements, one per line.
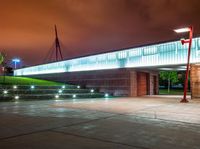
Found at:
<point>138,75</point>
<point>155,55</point>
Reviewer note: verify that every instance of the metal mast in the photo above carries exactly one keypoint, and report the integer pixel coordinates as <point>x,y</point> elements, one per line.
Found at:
<point>59,55</point>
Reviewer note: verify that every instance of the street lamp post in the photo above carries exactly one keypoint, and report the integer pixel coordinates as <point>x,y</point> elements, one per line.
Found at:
<point>16,60</point>
<point>183,41</point>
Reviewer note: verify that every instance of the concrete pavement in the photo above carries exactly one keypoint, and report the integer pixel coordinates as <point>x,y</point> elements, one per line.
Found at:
<point>137,123</point>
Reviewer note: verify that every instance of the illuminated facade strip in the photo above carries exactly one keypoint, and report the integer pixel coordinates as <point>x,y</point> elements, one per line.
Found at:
<point>170,53</point>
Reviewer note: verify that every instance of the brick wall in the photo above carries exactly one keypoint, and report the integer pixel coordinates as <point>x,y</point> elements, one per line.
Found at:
<point>141,83</point>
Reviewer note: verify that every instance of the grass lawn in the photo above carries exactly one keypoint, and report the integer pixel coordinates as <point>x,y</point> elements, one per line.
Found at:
<point>172,92</point>
<point>10,80</point>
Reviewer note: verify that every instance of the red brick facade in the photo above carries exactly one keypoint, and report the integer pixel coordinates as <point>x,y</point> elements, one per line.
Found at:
<point>195,81</point>
<point>142,83</point>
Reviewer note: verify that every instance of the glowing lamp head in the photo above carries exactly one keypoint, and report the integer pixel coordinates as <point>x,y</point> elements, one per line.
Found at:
<point>78,86</point>
<point>63,87</point>
<point>92,91</point>
<point>182,30</point>
<point>74,96</point>
<point>15,87</point>
<point>16,60</point>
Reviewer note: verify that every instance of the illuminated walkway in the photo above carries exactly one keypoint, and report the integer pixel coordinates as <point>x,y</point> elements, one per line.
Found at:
<point>155,55</point>
<point>124,123</point>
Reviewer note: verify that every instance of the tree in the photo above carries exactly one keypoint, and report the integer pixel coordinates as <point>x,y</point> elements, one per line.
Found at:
<point>8,70</point>
<point>3,64</point>
<point>170,76</point>
<point>1,58</point>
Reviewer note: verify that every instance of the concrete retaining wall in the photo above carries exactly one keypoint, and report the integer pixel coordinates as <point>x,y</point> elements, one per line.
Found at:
<point>119,82</point>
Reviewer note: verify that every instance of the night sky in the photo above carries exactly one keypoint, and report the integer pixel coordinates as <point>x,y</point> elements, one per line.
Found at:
<point>90,26</point>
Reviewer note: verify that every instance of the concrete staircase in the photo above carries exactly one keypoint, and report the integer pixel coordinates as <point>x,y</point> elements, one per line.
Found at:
<point>31,92</point>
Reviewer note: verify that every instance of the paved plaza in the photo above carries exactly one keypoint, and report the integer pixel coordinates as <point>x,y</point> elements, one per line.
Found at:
<point>154,122</point>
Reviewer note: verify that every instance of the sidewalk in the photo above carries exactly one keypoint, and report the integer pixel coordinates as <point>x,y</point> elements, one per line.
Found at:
<point>121,123</point>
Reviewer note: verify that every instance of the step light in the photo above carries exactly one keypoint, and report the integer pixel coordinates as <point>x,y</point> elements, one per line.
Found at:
<point>15,87</point>
<point>5,92</point>
<point>32,87</point>
<point>78,86</point>
<point>74,96</point>
<point>56,96</point>
<point>92,91</point>
<point>16,97</point>
<point>63,87</point>
<point>60,91</point>
<point>106,95</point>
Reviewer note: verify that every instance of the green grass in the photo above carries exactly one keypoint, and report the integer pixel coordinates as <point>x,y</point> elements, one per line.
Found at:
<point>10,80</point>
<point>172,92</point>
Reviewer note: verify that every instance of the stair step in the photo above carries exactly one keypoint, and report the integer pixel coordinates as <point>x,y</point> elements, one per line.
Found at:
<point>39,87</point>
<point>25,92</point>
<point>51,96</point>
<point>44,91</point>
